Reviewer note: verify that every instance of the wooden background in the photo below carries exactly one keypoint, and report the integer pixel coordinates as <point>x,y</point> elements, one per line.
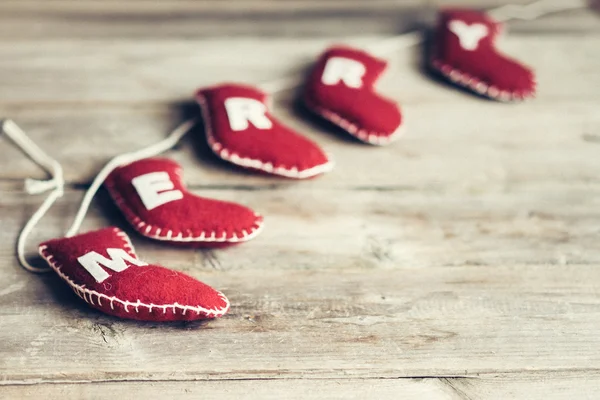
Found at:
<point>461,262</point>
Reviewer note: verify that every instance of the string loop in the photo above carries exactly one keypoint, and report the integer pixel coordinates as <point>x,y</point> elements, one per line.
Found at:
<point>153,150</point>
<point>534,10</point>
<point>56,182</point>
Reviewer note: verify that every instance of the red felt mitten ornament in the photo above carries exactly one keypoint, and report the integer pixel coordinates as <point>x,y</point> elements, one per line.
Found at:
<point>241,129</point>
<point>102,268</point>
<point>154,200</point>
<point>464,51</point>
<point>341,90</point>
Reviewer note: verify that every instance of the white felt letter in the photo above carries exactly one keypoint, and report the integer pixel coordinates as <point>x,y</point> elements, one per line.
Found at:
<point>155,189</point>
<point>345,70</point>
<point>468,35</point>
<point>91,262</point>
<point>241,111</point>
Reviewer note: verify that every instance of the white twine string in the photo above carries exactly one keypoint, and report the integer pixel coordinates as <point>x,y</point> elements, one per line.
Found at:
<point>32,186</point>
<point>534,10</point>
<point>56,183</point>
<point>150,151</point>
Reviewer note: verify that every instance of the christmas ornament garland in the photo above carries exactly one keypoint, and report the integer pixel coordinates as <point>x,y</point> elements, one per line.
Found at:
<point>102,267</point>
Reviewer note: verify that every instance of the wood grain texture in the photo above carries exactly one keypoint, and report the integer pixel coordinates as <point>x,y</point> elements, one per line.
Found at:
<point>459,263</point>
<point>547,386</point>
<point>129,97</point>
<point>312,228</point>
<point>345,389</point>
<point>150,19</point>
<point>303,324</point>
<point>365,289</point>
<point>534,386</point>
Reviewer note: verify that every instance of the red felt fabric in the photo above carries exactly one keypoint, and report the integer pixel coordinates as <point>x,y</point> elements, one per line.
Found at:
<point>190,220</point>
<point>361,111</point>
<point>149,293</point>
<point>278,150</point>
<point>474,62</point>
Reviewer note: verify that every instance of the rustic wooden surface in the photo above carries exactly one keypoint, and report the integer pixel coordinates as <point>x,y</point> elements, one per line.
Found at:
<point>461,262</point>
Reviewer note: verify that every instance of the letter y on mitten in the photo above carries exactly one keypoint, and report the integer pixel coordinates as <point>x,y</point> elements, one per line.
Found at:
<point>464,51</point>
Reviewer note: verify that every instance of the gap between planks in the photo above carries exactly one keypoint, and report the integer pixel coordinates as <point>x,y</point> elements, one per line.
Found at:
<point>498,375</point>
<point>535,386</point>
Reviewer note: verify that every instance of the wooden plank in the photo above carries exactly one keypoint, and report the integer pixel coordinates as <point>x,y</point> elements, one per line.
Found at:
<point>382,284</point>
<point>104,73</point>
<point>546,386</point>
<point>466,251</point>
<point>371,228</point>
<point>352,323</point>
<point>465,147</point>
<point>534,386</point>
<point>193,19</point>
<point>344,389</point>
<point>480,146</point>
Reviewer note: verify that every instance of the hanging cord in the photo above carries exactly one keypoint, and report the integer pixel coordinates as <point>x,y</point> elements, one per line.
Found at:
<point>56,183</point>
<point>153,150</point>
<point>534,10</point>
<point>32,186</point>
<point>382,47</point>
